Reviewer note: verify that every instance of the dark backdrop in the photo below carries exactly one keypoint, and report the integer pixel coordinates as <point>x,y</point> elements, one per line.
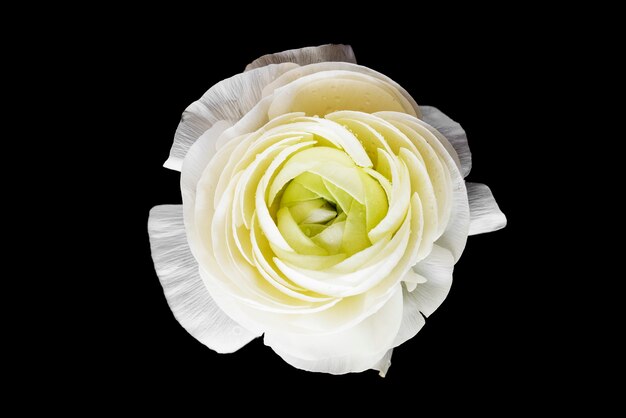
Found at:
<point>481,341</point>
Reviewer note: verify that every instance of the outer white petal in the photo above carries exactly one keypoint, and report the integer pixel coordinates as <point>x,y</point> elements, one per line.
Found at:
<point>453,132</point>
<point>352,350</point>
<point>197,161</point>
<point>455,236</point>
<point>186,294</point>
<point>437,270</point>
<point>431,284</point>
<point>308,55</point>
<point>485,215</point>
<point>199,156</point>
<point>412,319</point>
<point>384,363</point>
<point>228,100</point>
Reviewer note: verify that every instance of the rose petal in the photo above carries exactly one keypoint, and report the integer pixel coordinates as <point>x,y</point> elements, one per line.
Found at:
<point>437,270</point>
<point>388,265</point>
<point>453,132</point>
<point>432,280</point>
<point>485,215</point>
<point>334,133</point>
<point>258,115</point>
<point>308,55</point>
<point>184,290</point>
<point>351,350</point>
<point>252,174</point>
<point>294,236</point>
<point>261,249</point>
<point>243,149</point>
<point>201,156</point>
<point>412,279</point>
<point>198,175</point>
<point>234,267</point>
<point>434,164</point>
<point>420,184</point>
<point>296,73</point>
<point>329,163</point>
<point>264,217</point>
<point>329,91</point>
<point>384,363</point>
<point>400,198</point>
<point>228,100</point>
<point>456,231</point>
<point>371,128</point>
<point>412,319</point>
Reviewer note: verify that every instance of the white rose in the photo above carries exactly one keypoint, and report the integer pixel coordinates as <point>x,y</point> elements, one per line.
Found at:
<point>322,208</point>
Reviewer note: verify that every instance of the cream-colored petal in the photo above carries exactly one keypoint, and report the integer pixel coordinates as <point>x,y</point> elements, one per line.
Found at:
<point>264,217</point>
<point>354,349</point>
<point>434,164</point>
<point>420,184</point>
<point>399,201</point>
<point>335,281</point>
<point>329,91</point>
<point>296,73</point>
<point>456,215</point>
<point>393,138</point>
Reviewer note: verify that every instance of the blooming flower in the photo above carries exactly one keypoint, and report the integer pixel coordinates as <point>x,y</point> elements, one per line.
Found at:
<point>322,208</point>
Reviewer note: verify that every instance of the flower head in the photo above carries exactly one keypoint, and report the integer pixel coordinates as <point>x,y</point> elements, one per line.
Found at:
<point>322,208</point>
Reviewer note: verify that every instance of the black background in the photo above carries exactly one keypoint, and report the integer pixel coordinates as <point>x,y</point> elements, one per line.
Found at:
<point>482,341</point>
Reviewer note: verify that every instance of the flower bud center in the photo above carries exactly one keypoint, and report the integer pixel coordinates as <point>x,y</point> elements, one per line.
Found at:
<point>330,212</point>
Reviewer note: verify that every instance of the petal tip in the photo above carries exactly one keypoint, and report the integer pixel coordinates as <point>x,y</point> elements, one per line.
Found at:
<point>485,214</point>
<point>173,163</point>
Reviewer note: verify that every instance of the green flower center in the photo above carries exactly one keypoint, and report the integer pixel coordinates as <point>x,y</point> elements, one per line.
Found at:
<point>329,207</point>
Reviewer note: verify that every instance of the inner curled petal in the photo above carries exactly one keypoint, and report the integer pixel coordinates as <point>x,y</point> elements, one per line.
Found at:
<point>329,204</point>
